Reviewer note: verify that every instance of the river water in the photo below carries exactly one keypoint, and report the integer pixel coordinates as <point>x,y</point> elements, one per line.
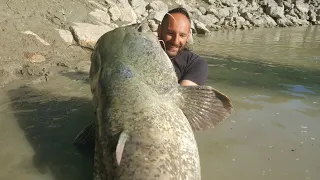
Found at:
<point>273,78</point>
<point>271,75</point>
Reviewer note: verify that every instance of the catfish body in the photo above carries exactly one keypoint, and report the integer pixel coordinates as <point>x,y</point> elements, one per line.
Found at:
<point>145,120</point>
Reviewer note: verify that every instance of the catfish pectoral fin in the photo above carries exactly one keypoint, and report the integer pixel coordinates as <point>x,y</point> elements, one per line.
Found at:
<point>204,106</point>
<point>87,135</point>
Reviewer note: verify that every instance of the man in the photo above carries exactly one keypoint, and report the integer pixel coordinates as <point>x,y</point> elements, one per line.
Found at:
<point>174,33</point>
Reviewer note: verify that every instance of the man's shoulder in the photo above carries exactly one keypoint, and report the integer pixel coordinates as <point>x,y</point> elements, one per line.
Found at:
<point>195,68</point>
<point>189,56</point>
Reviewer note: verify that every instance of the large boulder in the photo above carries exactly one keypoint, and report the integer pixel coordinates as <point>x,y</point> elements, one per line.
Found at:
<point>121,10</point>
<point>138,6</point>
<point>284,22</point>
<point>301,6</point>
<point>274,10</point>
<point>208,19</point>
<point>87,34</point>
<point>100,16</point>
<point>268,21</point>
<point>200,27</point>
<point>157,6</point>
<point>219,12</point>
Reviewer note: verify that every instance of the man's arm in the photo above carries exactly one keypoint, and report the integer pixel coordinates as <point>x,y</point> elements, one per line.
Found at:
<point>188,83</point>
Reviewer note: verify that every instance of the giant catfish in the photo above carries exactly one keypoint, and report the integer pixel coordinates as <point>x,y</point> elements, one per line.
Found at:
<point>145,121</point>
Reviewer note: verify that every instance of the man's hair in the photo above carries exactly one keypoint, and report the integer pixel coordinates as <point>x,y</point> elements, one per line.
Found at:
<point>180,10</point>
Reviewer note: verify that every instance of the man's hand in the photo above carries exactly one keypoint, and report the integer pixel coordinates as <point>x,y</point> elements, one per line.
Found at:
<point>187,83</point>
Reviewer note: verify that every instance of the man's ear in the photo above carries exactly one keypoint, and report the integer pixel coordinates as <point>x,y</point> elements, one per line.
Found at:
<point>189,38</point>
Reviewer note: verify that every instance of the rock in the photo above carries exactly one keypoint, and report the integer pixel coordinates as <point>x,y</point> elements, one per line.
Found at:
<point>144,27</point>
<point>196,11</point>
<point>312,16</point>
<point>242,9</point>
<point>87,34</point>
<point>211,2</point>
<point>304,22</point>
<point>292,13</point>
<point>318,18</point>
<point>158,16</point>
<point>122,11</point>
<point>234,11</point>
<point>200,27</point>
<point>301,15</point>
<point>275,11</point>
<point>239,21</point>
<point>242,2</point>
<point>98,5</point>
<point>101,16</point>
<point>268,3</point>
<point>113,26</point>
<point>279,2</point>
<point>284,22</point>
<point>252,7</point>
<point>34,57</point>
<point>115,13</point>
<point>157,6</point>
<point>258,22</point>
<point>216,27</point>
<point>188,8</point>
<point>180,2</point>
<point>208,19</point>
<point>221,21</point>
<point>287,5</point>
<point>248,16</point>
<point>153,25</point>
<point>229,3</point>
<point>301,6</point>
<point>202,10</point>
<point>139,6</point>
<point>269,21</point>
<point>65,35</point>
<point>219,12</point>
<point>295,21</point>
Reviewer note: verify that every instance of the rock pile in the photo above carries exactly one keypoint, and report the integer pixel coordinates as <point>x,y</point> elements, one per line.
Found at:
<point>207,15</point>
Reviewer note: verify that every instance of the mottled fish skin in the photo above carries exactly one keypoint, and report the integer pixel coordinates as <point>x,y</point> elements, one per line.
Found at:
<point>135,90</point>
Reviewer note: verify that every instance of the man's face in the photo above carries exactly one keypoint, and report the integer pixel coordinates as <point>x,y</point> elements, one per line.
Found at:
<point>175,33</point>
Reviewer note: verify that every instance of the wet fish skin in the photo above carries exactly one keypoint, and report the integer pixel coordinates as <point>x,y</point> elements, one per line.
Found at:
<point>142,130</point>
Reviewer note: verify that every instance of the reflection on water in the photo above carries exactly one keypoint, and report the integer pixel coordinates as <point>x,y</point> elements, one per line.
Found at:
<point>298,45</point>
<point>272,77</point>
<point>297,90</point>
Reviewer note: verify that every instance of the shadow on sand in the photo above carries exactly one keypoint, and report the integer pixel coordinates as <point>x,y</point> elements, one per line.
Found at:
<point>50,124</point>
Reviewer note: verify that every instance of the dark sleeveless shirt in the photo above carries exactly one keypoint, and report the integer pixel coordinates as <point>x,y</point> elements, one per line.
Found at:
<point>189,66</point>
